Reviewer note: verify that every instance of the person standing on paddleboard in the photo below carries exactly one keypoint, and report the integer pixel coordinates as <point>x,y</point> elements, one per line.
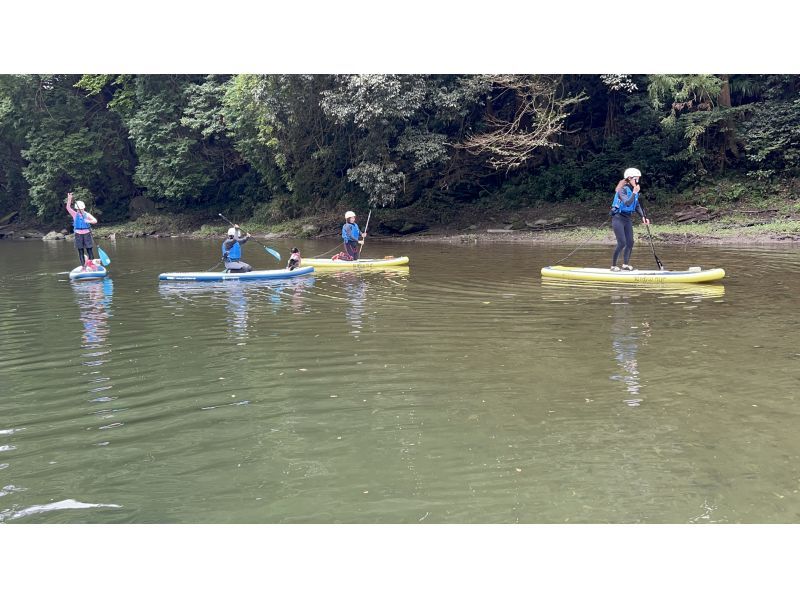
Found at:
<point>232,251</point>
<point>626,202</point>
<point>81,222</point>
<point>351,235</point>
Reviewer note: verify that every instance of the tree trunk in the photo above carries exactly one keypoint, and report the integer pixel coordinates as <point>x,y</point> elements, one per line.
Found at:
<point>725,93</point>
<point>610,128</point>
<point>730,136</point>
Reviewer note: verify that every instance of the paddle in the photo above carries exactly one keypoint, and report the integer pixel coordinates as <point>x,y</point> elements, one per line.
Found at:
<point>103,257</point>
<point>269,250</point>
<point>649,236</point>
<point>366,226</point>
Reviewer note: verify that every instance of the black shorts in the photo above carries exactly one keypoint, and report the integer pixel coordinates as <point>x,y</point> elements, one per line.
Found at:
<point>84,241</point>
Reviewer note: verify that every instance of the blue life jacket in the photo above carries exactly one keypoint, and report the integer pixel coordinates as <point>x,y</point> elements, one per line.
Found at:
<point>350,232</point>
<point>234,253</point>
<point>627,203</point>
<point>80,222</point>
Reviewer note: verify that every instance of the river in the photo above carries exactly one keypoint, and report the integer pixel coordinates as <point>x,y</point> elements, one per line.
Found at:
<point>460,389</point>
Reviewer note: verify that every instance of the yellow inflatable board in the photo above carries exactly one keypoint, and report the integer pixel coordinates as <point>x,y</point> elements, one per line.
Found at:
<point>361,263</point>
<point>694,274</point>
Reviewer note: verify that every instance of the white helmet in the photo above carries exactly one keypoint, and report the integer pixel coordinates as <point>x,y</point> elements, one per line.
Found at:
<point>629,172</point>
<point>231,232</point>
<point>80,205</point>
<point>349,214</point>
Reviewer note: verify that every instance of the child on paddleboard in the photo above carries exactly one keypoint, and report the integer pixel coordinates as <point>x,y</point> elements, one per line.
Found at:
<point>81,222</point>
<point>351,236</point>
<point>232,250</point>
<point>626,202</point>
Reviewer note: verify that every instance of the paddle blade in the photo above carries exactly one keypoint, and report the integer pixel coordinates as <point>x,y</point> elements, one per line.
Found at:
<point>103,257</point>
<point>273,253</point>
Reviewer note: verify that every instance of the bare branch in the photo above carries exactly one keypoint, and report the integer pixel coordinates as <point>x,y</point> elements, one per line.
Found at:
<point>539,116</point>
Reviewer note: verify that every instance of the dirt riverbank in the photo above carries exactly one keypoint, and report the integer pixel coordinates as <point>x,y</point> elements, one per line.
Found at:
<point>565,224</point>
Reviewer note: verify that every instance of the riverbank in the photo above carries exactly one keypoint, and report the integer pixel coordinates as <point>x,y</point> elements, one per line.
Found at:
<point>740,222</point>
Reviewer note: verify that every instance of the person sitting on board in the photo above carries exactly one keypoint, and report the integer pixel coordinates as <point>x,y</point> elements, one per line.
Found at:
<point>626,202</point>
<point>351,236</point>
<point>294,259</point>
<point>232,251</point>
<point>82,221</point>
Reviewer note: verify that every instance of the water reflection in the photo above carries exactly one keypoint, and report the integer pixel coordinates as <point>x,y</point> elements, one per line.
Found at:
<point>94,301</point>
<point>355,289</point>
<point>236,306</point>
<point>94,298</point>
<point>627,336</point>
<point>630,314</point>
<point>571,290</point>
<point>290,293</point>
<point>240,297</point>
<point>358,287</point>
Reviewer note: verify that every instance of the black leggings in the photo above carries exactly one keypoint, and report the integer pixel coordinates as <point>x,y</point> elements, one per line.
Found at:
<point>623,230</point>
<point>353,249</point>
<point>89,250</point>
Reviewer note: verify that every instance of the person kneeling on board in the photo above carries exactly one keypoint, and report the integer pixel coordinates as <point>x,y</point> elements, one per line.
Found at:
<point>351,236</point>
<point>294,259</point>
<point>232,251</point>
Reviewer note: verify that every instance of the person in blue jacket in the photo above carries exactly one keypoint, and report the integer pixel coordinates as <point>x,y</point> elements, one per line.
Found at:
<point>351,235</point>
<point>626,202</point>
<point>232,251</point>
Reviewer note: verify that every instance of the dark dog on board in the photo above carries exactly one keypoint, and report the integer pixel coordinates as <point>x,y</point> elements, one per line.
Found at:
<point>294,259</point>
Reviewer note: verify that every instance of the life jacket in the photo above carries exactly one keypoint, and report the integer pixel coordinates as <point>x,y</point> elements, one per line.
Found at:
<point>350,232</point>
<point>342,256</point>
<point>626,204</point>
<point>234,253</point>
<point>80,222</point>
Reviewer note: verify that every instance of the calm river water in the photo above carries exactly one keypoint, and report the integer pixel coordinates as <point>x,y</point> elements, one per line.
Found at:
<point>462,389</point>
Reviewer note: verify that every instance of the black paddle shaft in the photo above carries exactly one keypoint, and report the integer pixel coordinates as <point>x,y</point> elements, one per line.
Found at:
<point>232,224</point>
<point>274,253</point>
<point>650,236</point>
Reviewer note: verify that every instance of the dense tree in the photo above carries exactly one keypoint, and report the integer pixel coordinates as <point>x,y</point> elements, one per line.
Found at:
<point>536,110</point>
<point>279,146</point>
<point>399,126</point>
<point>65,142</point>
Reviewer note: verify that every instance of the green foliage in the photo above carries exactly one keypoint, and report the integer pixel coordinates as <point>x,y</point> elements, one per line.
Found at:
<point>56,161</point>
<point>69,143</point>
<point>278,147</point>
<point>772,137</point>
<point>684,92</point>
<point>381,181</point>
<point>169,158</point>
<point>391,123</point>
<point>13,186</point>
<point>204,112</point>
<point>423,148</point>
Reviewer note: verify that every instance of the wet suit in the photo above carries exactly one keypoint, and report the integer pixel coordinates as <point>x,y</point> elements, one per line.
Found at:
<point>350,236</point>
<point>231,254</point>
<point>626,202</point>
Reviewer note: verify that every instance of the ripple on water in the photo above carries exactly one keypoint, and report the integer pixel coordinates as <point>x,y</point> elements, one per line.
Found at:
<point>61,505</point>
<point>464,389</point>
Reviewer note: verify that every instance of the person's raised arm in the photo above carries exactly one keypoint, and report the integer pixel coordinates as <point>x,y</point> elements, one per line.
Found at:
<point>69,205</point>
